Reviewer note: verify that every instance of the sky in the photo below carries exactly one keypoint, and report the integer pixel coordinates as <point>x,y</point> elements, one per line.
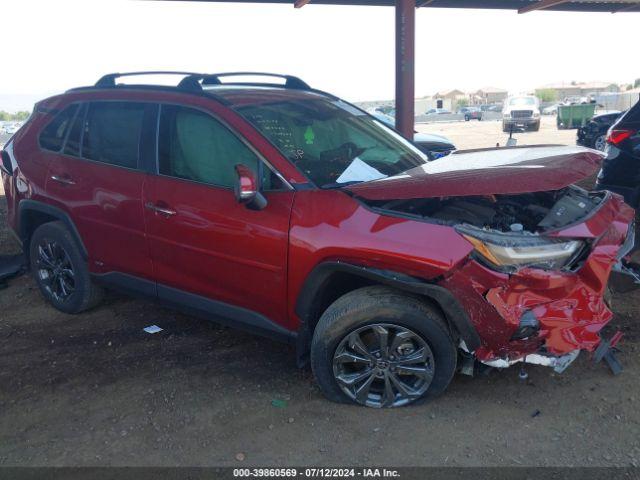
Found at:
<point>53,45</point>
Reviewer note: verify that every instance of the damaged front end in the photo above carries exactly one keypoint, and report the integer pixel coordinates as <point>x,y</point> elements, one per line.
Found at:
<point>536,283</point>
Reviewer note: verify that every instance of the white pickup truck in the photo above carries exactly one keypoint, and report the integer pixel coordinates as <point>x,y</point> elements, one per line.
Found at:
<point>521,112</point>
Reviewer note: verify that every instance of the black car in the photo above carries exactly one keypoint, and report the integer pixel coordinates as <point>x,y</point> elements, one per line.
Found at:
<point>594,133</point>
<point>434,146</point>
<point>620,171</point>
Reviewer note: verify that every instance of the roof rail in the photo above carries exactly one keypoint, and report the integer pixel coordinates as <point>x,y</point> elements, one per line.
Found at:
<point>109,80</point>
<point>289,80</point>
<point>194,81</point>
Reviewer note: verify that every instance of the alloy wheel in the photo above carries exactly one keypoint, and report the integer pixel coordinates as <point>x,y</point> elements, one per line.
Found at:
<point>383,365</point>
<point>600,143</point>
<point>55,270</point>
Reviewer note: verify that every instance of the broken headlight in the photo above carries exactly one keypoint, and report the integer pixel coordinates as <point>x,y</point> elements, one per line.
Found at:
<point>507,251</point>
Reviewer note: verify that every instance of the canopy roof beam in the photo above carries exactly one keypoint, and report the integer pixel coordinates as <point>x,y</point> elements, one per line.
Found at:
<point>540,5</point>
<point>405,62</point>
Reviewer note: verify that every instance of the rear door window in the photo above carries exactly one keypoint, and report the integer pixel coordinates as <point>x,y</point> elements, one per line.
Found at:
<point>111,133</point>
<point>52,137</point>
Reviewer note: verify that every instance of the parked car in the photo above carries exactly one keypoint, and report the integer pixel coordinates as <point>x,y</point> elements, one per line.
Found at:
<point>620,171</point>
<point>11,128</point>
<point>594,133</point>
<point>491,107</point>
<point>471,113</point>
<point>551,109</point>
<point>437,111</point>
<point>577,100</point>
<point>521,112</point>
<point>291,213</point>
<point>435,146</point>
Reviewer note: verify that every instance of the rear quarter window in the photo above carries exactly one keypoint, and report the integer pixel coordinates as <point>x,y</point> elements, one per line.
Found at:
<point>52,136</point>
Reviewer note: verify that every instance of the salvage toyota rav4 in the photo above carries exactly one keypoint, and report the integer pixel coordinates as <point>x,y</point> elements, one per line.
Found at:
<point>289,212</point>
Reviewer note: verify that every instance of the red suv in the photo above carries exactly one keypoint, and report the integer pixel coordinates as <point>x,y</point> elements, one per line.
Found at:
<point>287,211</point>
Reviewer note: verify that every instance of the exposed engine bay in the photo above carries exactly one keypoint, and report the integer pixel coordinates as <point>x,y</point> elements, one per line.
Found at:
<point>529,212</point>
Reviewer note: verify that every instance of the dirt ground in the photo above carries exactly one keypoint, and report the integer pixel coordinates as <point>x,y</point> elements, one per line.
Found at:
<point>94,389</point>
<point>475,134</point>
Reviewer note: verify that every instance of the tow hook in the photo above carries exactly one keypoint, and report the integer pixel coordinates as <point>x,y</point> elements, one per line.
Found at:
<point>606,350</point>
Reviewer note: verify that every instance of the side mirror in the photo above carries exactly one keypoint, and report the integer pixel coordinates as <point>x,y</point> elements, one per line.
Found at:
<point>247,189</point>
<point>6,163</point>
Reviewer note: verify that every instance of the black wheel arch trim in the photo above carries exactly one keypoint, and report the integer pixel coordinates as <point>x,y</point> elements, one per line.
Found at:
<point>26,206</point>
<point>320,277</point>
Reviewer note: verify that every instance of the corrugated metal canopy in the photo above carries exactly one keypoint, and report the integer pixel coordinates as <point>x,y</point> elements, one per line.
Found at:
<point>520,5</point>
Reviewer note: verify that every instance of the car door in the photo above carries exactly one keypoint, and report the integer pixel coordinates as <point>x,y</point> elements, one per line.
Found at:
<point>204,244</point>
<point>97,178</point>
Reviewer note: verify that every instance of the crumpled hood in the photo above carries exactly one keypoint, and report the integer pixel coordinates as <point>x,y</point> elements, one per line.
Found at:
<point>486,172</point>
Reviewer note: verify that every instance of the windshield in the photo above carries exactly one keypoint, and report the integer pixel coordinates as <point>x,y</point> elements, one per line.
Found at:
<point>332,142</point>
<point>522,101</point>
<point>388,120</point>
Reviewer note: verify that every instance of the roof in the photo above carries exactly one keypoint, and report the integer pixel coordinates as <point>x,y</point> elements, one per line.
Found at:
<point>232,92</point>
<point>557,5</point>
<point>239,95</point>
<point>491,90</point>
<point>580,85</point>
<point>448,93</point>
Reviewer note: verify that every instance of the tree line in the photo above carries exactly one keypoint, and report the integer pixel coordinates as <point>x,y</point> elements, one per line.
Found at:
<point>17,116</point>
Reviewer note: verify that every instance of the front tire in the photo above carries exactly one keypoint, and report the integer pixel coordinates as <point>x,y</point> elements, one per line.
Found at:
<point>60,270</point>
<point>380,348</point>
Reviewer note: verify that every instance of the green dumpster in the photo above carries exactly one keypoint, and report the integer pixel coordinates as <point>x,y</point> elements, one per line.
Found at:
<point>575,116</point>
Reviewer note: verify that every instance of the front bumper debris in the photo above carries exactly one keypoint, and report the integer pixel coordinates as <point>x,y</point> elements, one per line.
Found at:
<point>569,307</point>
<point>625,275</point>
<point>559,364</point>
<point>606,351</point>
<point>624,278</point>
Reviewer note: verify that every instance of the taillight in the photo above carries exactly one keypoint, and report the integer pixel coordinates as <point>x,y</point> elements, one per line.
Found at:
<point>616,137</point>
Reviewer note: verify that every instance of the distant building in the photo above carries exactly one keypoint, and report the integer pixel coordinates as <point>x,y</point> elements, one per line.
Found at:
<point>448,99</point>
<point>580,89</point>
<point>489,95</point>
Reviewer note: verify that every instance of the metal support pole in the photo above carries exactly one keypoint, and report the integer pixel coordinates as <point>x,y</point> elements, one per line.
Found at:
<point>405,73</point>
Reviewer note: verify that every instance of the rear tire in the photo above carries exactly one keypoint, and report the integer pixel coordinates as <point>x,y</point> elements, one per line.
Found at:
<point>351,363</point>
<point>60,270</point>
<point>467,118</point>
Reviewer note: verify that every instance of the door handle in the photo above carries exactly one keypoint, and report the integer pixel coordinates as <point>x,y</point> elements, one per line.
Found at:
<point>167,212</point>
<point>63,180</point>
